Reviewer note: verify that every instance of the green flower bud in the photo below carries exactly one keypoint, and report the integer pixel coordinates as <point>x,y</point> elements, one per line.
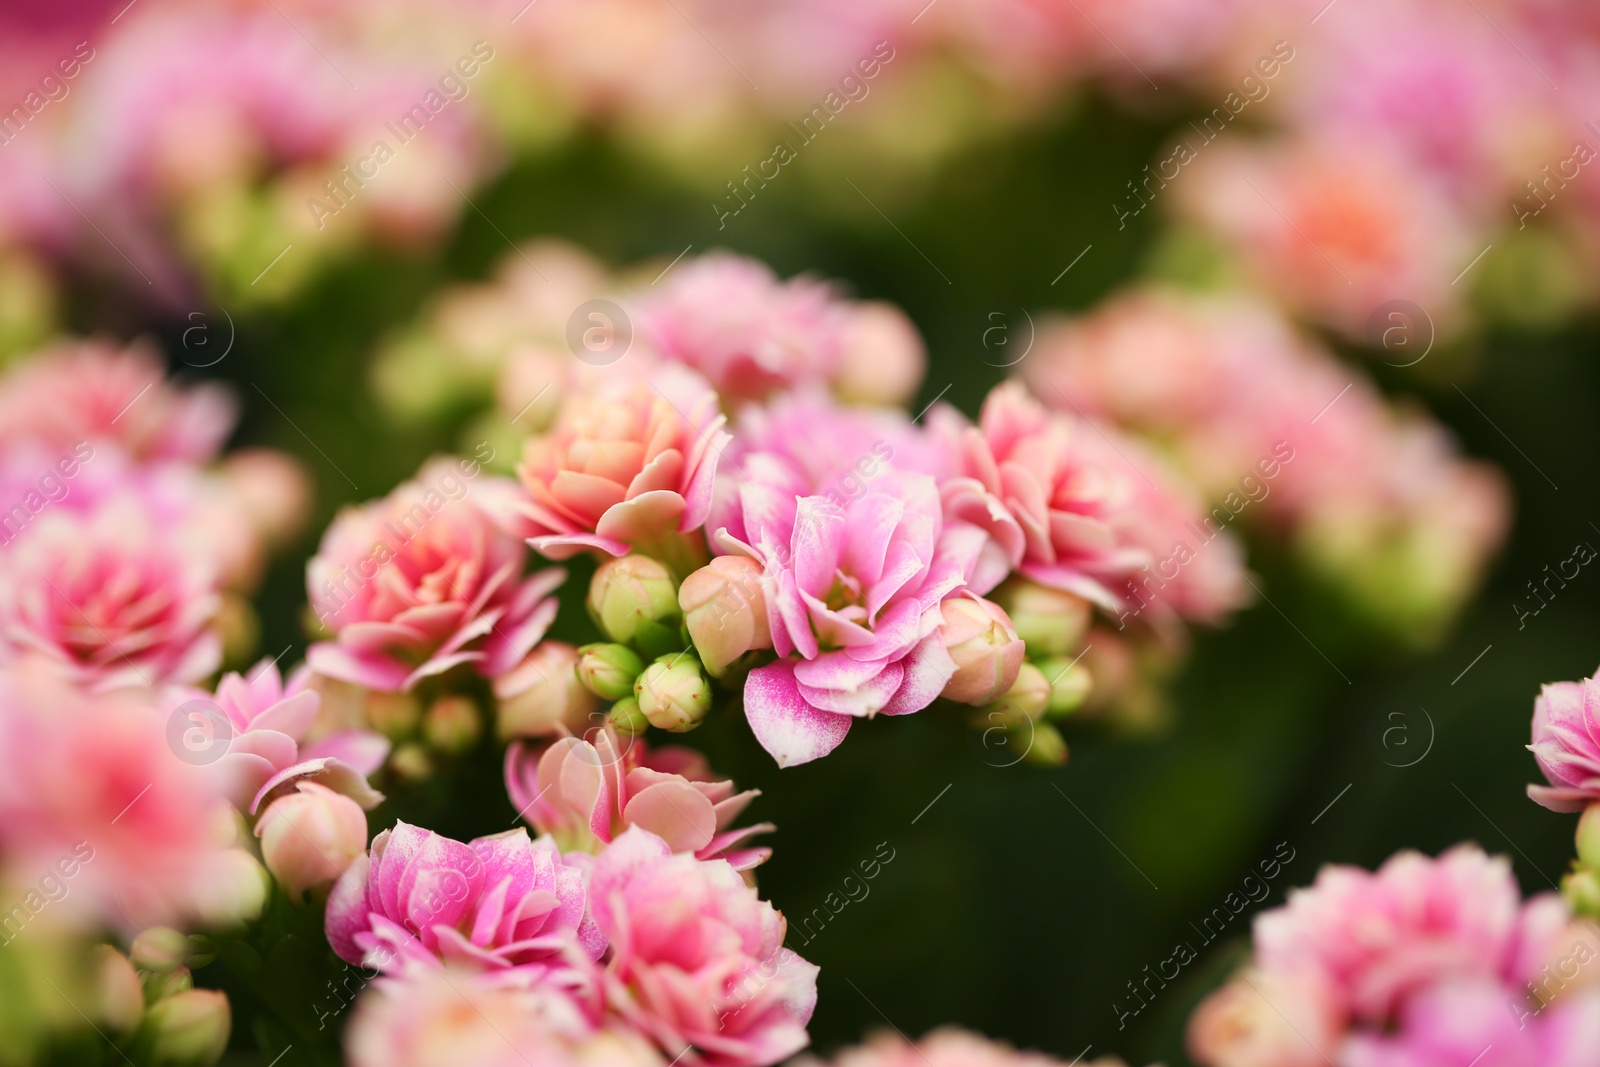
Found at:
<point>627,718</point>
<point>453,724</point>
<point>115,999</point>
<point>1049,748</point>
<point>189,1029</point>
<point>634,601</point>
<point>1581,890</point>
<point>673,693</point>
<point>1050,622</point>
<point>1070,685</point>
<point>1589,838</point>
<point>609,671</point>
<point>1027,697</point>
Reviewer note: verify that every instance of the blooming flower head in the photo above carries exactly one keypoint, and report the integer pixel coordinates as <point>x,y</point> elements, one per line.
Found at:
<point>751,335</point>
<point>109,599</point>
<point>697,959</point>
<point>454,1015</point>
<point>494,902</point>
<point>586,791</point>
<point>423,581</point>
<point>260,722</point>
<point>94,391</point>
<point>627,464</point>
<point>1566,742</point>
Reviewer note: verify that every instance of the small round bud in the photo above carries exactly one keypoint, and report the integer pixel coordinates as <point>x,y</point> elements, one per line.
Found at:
<point>394,715</point>
<point>884,357</point>
<point>115,1000</point>
<point>634,601</point>
<point>1070,685</point>
<point>1027,698</point>
<point>1049,748</point>
<point>1051,622</point>
<point>160,986</point>
<point>309,837</point>
<point>627,718</point>
<point>542,695</point>
<point>1581,890</point>
<point>609,671</point>
<point>453,724</point>
<point>725,611</point>
<point>162,948</point>
<point>673,693</point>
<point>189,1029</point>
<point>987,651</point>
<point>1589,838</point>
<point>412,762</point>
<point>235,892</point>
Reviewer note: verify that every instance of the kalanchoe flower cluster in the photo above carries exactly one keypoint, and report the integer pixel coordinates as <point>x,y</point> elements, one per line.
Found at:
<point>1566,744</point>
<point>1416,963</point>
<point>946,1047</point>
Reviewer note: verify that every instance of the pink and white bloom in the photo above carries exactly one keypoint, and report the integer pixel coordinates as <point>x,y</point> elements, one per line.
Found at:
<point>262,723</point>
<point>584,792</point>
<point>945,1047</point>
<point>1566,742</point>
<point>98,392</point>
<point>109,599</point>
<point>441,1017</point>
<point>626,465</point>
<point>423,581</point>
<point>853,594</point>
<point>493,902</point>
<point>697,959</point>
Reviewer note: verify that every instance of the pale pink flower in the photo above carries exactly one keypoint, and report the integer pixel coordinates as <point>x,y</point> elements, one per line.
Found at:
<point>109,598</point>
<point>442,1017</point>
<point>310,836</point>
<point>260,723</point>
<point>1265,1020</point>
<point>96,391</point>
<point>586,791</point>
<point>422,581</point>
<point>945,1047</point>
<point>494,902</point>
<point>1566,742</point>
<point>91,779</point>
<point>751,335</point>
<point>697,959</point>
<point>626,464</point>
<point>853,596</point>
<point>1476,1022</point>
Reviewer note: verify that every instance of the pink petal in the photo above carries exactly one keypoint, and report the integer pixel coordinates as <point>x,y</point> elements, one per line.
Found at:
<point>791,730</point>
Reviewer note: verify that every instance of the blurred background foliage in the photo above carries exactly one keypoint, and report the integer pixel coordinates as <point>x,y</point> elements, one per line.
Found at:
<point>1019,902</point>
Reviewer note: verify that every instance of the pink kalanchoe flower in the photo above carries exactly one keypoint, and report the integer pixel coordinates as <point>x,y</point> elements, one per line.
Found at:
<point>752,335</point>
<point>108,597</point>
<point>626,464</point>
<point>1566,742</point>
<point>260,722</point>
<point>94,391</point>
<point>423,581</point>
<point>442,1017</point>
<point>945,1047</point>
<point>853,595</point>
<point>586,791</point>
<point>697,959</point>
<point>495,902</point>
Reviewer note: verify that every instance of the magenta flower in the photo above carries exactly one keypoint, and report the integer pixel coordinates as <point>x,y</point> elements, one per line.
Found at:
<point>423,581</point>
<point>697,959</point>
<point>93,391</point>
<point>261,722</point>
<point>109,598</point>
<point>752,335</point>
<point>624,466</point>
<point>853,594</point>
<point>494,902</point>
<point>1566,742</point>
<point>585,792</point>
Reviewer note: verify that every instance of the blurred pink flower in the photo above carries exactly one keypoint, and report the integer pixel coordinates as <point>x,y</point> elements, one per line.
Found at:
<point>1566,742</point>
<point>261,722</point>
<point>424,580</point>
<point>494,902</point>
<point>697,959</point>
<point>442,1017</point>
<point>586,791</point>
<point>1467,1023</point>
<point>108,598</point>
<point>625,464</point>
<point>853,593</point>
<point>945,1047</point>
<point>752,335</point>
<point>95,391</point>
<point>91,779</point>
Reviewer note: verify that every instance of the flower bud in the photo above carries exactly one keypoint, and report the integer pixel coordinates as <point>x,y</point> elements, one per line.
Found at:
<point>394,715</point>
<point>1027,697</point>
<point>1589,838</point>
<point>189,1029</point>
<point>1051,622</point>
<point>1049,748</point>
<point>162,949</point>
<point>1581,890</point>
<point>115,999</point>
<point>609,671</point>
<point>412,762</point>
<point>987,651</point>
<point>160,986</point>
<point>453,724</point>
<point>235,892</point>
<point>673,694</point>
<point>884,357</point>
<point>627,718</point>
<point>634,601</point>
<point>309,837</point>
<point>1070,685</point>
<point>542,695</point>
<point>725,609</point>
